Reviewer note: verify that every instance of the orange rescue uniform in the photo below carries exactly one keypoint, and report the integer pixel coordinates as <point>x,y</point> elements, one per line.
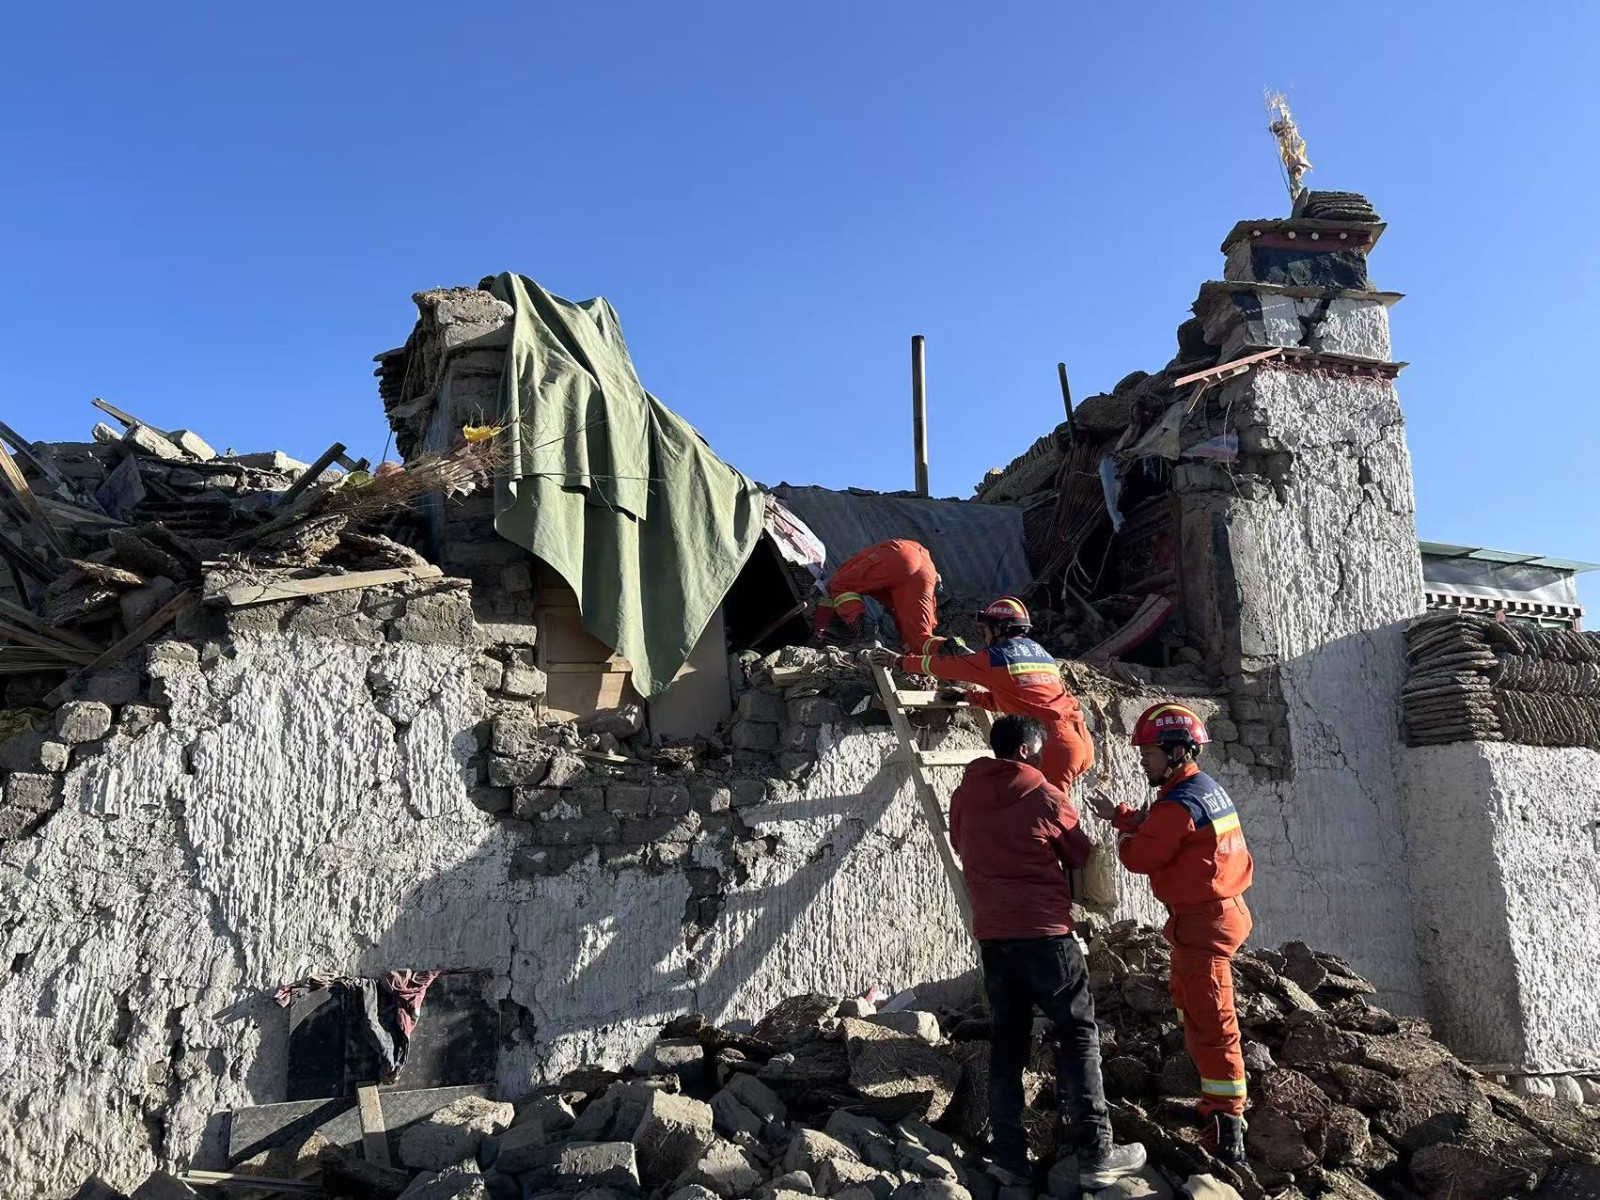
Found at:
<point>1190,844</point>
<point>899,575</point>
<point>1017,675</point>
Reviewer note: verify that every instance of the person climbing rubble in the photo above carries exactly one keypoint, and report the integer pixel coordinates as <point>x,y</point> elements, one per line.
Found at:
<point>1014,674</point>
<point>1017,835</point>
<point>1190,844</point>
<point>900,575</point>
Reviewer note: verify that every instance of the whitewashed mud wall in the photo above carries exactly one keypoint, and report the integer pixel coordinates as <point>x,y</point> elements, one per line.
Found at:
<point>1505,870</point>
<point>307,810</point>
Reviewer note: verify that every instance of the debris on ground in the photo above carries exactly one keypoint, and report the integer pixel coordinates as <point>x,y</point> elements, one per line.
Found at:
<point>835,1098</point>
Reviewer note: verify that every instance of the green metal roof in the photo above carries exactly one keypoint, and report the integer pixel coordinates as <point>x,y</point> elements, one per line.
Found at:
<point>1505,557</point>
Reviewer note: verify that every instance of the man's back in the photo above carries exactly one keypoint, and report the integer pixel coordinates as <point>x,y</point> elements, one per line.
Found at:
<point>1016,835</point>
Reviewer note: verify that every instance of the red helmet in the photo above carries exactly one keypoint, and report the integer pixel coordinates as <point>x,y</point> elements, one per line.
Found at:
<point>1007,610</point>
<point>1163,723</point>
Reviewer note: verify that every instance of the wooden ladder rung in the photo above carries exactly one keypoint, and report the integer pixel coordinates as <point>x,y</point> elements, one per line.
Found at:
<point>911,701</point>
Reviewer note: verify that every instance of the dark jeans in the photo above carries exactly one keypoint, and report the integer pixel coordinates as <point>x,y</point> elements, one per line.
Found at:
<point>1019,973</point>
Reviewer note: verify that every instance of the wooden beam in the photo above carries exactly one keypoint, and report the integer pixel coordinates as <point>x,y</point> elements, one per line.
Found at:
<point>18,559</point>
<point>127,418</point>
<point>310,476</point>
<point>242,595</point>
<point>23,617</point>
<point>951,758</point>
<point>23,637</point>
<point>28,454</point>
<point>162,617</point>
<point>1228,369</point>
<point>374,1138</point>
<point>12,481</point>
<point>267,1184</point>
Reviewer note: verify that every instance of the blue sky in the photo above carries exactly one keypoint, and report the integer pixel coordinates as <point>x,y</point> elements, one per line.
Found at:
<point>214,215</point>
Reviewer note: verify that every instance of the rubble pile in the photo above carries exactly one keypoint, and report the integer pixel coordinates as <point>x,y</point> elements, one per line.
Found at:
<point>835,1098</point>
<point>111,539</point>
<point>1477,679</point>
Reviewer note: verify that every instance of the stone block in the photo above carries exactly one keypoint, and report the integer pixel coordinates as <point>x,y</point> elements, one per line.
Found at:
<point>757,1097</point>
<point>794,1181</point>
<point>517,734</point>
<point>912,1022</point>
<point>837,1174</point>
<point>748,792</point>
<point>54,756</point>
<point>453,1134</point>
<point>732,1119</point>
<point>493,800</point>
<point>80,721</point>
<point>552,1113</point>
<point>488,672</point>
<point>755,735</point>
<point>856,1007</point>
<point>885,1064</point>
<point>161,1186</point>
<point>810,1150</point>
<point>711,798</point>
<point>645,831</point>
<point>628,799</point>
<point>798,740</point>
<point>149,442</point>
<point>521,1148</point>
<point>134,719</point>
<point>517,772</point>
<point>460,1181</point>
<point>693,1192</point>
<point>814,710</point>
<point>683,1057</point>
<point>193,444</point>
<point>764,707</point>
<point>599,829</point>
<point>111,687</point>
<point>524,682</point>
<point>869,1138</point>
<point>1255,735</point>
<point>578,1166</point>
<point>672,1135</point>
<point>28,798</point>
<point>725,1169</point>
<point>516,578</point>
<point>438,619</point>
<point>139,604</point>
<point>669,800</point>
<point>934,1189</point>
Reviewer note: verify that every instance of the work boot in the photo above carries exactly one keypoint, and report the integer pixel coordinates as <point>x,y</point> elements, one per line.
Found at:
<point>1104,1165</point>
<point>1229,1131</point>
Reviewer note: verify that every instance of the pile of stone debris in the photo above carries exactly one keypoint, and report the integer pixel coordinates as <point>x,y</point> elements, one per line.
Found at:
<point>829,1098</point>
<point>105,542</point>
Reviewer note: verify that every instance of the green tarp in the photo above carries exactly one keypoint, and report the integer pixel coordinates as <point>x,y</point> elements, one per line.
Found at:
<point>612,488</point>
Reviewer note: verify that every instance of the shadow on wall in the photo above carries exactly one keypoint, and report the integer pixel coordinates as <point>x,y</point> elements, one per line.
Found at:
<point>594,959</point>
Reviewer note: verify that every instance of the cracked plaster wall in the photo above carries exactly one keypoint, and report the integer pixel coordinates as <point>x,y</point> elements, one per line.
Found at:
<point>306,810</point>
<point>1504,829</point>
<point>1321,572</point>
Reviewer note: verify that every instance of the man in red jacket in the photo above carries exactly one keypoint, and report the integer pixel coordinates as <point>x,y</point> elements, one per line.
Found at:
<point>1017,836</point>
<point>1014,674</point>
<point>1190,844</point>
<point>899,574</point>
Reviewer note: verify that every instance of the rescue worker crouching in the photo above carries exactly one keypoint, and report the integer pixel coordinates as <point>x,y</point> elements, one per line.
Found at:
<point>900,575</point>
<point>1014,674</point>
<point>1191,846</point>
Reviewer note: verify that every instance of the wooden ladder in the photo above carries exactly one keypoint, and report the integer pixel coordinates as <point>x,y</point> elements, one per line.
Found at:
<point>899,705</point>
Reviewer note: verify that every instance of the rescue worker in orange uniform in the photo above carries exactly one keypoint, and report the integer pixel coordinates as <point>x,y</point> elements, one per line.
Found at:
<point>899,574</point>
<point>1189,842</point>
<point>1014,674</point>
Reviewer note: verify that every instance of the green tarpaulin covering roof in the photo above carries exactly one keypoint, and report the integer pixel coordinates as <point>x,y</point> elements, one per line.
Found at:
<point>612,488</point>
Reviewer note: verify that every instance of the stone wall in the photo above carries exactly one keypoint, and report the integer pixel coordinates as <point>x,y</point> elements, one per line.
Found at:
<point>1504,856</point>
<point>329,788</point>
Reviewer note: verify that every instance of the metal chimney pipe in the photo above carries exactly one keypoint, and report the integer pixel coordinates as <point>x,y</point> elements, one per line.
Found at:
<point>919,410</point>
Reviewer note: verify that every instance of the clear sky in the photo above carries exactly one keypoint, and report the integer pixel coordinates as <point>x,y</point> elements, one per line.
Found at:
<point>213,215</point>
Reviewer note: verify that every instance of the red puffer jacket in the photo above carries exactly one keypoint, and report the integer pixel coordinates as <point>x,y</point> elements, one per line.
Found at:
<point>1017,836</point>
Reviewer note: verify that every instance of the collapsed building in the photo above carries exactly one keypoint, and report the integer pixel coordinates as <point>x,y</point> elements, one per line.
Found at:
<point>473,775</point>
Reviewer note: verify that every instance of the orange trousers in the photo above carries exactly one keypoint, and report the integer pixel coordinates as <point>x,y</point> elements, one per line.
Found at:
<point>1204,938</point>
<point>1068,752</point>
<point>898,574</point>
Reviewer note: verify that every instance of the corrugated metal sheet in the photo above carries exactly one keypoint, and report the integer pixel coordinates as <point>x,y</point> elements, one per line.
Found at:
<point>978,548</point>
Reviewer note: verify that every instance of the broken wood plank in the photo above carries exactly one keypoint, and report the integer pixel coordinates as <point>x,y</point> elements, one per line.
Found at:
<point>911,699</point>
<point>374,1138</point>
<point>310,476</point>
<point>23,637</point>
<point>159,620</point>
<point>242,595</point>
<point>606,756</point>
<point>1228,369</point>
<point>127,418</point>
<point>76,514</point>
<point>951,758</point>
<point>18,559</point>
<point>784,675</point>
<point>19,583</point>
<point>22,616</point>
<point>40,462</point>
<point>12,481</point>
